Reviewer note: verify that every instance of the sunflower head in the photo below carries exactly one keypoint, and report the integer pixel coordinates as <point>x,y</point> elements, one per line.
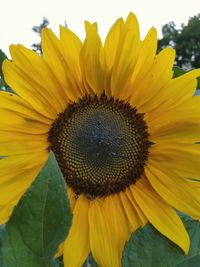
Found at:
<point>123,131</point>
<point>101,145</point>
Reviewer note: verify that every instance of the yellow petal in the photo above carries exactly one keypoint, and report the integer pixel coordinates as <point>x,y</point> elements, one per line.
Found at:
<point>93,60</point>
<point>111,42</point>
<point>17,105</point>
<point>60,250</point>
<point>110,48</point>
<point>52,52</point>
<point>18,81</point>
<point>159,75</point>
<point>14,165</point>
<point>19,143</point>
<point>142,218</point>
<point>186,113</point>
<point>9,136</point>
<point>76,246</point>
<point>72,198</point>
<point>18,182</point>
<point>181,88</point>
<point>125,58</point>
<point>15,147</point>
<point>71,47</point>
<point>37,74</point>
<point>180,157</point>
<point>5,212</point>
<point>131,214</point>
<point>146,57</point>
<point>14,188</point>
<point>109,230</point>
<point>174,190</point>
<point>180,123</point>
<point>12,122</point>
<point>160,214</point>
<point>184,131</point>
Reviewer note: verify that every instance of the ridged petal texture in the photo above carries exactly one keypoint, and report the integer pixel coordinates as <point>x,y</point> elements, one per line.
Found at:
<point>126,68</point>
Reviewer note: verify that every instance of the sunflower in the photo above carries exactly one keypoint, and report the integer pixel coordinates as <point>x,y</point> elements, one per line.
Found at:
<point>123,131</point>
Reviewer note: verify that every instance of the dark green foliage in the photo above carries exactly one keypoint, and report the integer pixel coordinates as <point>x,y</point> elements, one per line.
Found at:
<point>90,262</point>
<point>178,72</point>
<point>59,262</point>
<point>185,40</point>
<point>148,248</point>
<point>3,85</point>
<point>2,82</point>
<point>2,58</point>
<point>192,262</point>
<point>1,241</point>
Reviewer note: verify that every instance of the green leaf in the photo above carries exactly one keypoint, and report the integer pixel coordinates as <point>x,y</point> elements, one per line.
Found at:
<point>178,72</point>
<point>40,221</point>
<point>59,262</point>
<point>148,248</point>
<point>198,83</point>
<point>192,262</point>
<point>1,237</point>
<point>90,262</point>
<point>2,58</point>
<point>3,85</point>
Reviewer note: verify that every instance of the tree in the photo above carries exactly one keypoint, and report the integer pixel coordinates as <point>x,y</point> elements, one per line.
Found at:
<point>185,40</point>
<point>38,30</point>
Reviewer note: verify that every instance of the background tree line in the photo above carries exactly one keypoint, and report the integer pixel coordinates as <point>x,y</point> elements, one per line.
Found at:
<point>185,40</point>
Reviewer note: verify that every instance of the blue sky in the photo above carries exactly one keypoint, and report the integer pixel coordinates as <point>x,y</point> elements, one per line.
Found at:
<point>18,16</point>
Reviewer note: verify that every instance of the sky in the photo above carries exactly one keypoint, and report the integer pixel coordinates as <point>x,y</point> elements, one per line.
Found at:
<point>18,16</point>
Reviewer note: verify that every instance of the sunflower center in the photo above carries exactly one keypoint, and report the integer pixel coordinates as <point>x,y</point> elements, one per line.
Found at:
<point>101,145</point>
